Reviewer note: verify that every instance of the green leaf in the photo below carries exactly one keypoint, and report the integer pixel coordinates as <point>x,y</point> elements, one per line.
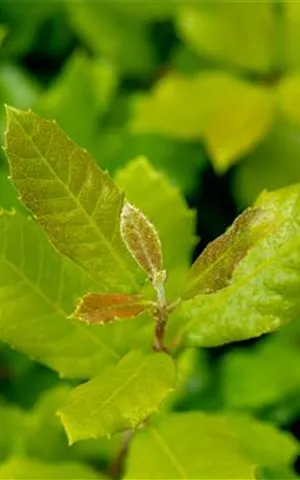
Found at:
<point>24,430</point>
<point>22,24</point>
<point>239,443</point>
<point>288,97</point>
<point>119,398</point>
<point>213,269</point>
<point>3,33</point>
<point>210,450</point>
<point>16,88</point>
<point>291,25</point>
<point>241,120</point>
<point>70,100</point>
<point>101,308</point>
<point>38,292</point>
<point>274,164</point>
<point>263,294</point>
<point>22,468</point>
<point>265,377</point>
<point>263,443</point>
<point>164,205</point>
<point>230,115</point>
<point>237,34</point>
<point>8,196</point>
<point>113,33</point>
<point>76,202</point>
<point>78,96</point>
<point>115,147</point>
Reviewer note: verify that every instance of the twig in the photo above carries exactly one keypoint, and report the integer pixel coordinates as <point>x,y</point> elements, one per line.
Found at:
<point>115,469</point>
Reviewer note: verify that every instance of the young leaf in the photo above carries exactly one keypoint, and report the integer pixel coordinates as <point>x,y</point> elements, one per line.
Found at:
<point>141,239</point>
<point>213,269</point>
<point>98,308</point>
<point>37,294</point>
<point>76,202</point>
<point>167,209</point>
<point>264,290</point>
<point>22,468</point>
<point>120,397</point>
<point>210,450</point>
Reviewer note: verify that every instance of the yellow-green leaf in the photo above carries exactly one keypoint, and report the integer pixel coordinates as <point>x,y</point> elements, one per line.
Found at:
<point>264,289</point>
<point>240,34</point>
<point>38,291</point>
<point>215,447</point>
<point>288,97</point>
<point>21,468</point>
<point>120,397</point>
<point>229,114</point>
<point>186,446</point>
<point>72,198</point>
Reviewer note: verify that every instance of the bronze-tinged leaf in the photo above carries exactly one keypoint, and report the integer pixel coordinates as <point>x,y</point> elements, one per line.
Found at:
<point>141,239</point>
<point>98,308</point>
<point>213,269</point>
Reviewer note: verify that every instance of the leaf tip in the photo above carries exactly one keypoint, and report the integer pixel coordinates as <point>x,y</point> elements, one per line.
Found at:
<point>71,439</point>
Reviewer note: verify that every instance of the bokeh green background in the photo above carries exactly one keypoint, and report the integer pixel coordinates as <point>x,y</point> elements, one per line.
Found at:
<point>210,93</point>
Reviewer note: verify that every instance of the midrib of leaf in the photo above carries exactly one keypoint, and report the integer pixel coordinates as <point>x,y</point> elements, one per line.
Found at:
<point>224,255</point>
<point>235,287</point>
<point>56,308</point>
<point>120,389</point>
<point>90,220</point>
<point>165,447</point>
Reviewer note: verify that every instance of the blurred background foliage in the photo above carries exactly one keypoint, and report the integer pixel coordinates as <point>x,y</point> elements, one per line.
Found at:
<point>210,93</point>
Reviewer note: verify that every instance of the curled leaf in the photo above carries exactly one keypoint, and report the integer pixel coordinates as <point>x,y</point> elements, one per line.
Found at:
<point>98,308</point>
<point>213,269</point>
<point>141,239</point>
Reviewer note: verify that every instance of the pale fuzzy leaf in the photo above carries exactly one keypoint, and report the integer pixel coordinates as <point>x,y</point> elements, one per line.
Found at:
<point>77,203</point>
<point>213,269</point>
<point>141,239</point>
<point>165,206</point>
<point>120,397</point>
<point>97,308</point>
<point>21,468</point>
<point>190,445</point>
<point>38,291</point>
<point>264,290</point>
